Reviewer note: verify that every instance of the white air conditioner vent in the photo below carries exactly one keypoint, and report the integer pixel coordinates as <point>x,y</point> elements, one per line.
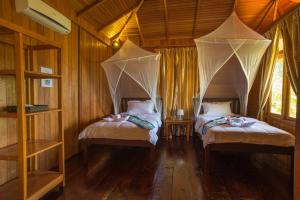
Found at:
<point>44,14</point>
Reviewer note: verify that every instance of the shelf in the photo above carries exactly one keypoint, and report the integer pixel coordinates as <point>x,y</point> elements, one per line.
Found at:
<point>31,74</point>
<point>44,112</point>
<point>39,183</point>
<point>14,115</point>
<point>38,75</point>
<point>33,148</point>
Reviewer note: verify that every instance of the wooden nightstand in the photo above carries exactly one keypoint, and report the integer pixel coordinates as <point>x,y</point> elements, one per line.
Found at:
<point>188,123</point>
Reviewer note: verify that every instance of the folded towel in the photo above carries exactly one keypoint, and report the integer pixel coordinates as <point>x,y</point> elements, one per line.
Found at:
<point>240,122</point>
<point>111,119</point>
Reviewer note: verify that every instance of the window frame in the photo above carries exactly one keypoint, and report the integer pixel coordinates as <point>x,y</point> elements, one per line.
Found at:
<point>285,95</point>
<point>289,88</point>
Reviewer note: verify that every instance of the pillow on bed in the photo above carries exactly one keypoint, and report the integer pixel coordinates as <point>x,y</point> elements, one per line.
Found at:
<point>218,108</point>
<point>140,107</point>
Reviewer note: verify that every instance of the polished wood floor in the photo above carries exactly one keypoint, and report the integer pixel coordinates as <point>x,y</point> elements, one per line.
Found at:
<point>174,173</point>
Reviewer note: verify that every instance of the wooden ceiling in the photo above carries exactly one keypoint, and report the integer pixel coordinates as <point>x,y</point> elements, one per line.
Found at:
<point>166,20</point>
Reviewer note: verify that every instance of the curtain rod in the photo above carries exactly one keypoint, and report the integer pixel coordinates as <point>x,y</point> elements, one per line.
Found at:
<point>289,13</point>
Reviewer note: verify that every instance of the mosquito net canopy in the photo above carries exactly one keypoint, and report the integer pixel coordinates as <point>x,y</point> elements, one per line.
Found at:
<point>132,72</point>
<point>232,40</point>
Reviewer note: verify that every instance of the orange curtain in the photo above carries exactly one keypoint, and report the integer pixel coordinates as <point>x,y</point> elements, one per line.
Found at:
<point>267,67</point>
<point>178,79</point>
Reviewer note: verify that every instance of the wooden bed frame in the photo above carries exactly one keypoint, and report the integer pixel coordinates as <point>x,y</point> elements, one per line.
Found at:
<point>117,142</point>
<point>242,147</point>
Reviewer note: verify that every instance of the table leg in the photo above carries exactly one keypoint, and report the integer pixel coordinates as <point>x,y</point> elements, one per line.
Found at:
<point>166,131</point>
<point>188,130</point>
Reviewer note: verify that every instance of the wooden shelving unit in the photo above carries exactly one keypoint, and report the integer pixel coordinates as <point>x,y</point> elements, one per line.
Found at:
<point>38,183</point>
<point>33,148</point>
<point>31,183</point>
<point>14,115</point>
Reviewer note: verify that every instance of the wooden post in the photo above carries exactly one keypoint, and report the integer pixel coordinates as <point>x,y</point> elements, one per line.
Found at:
<point>60,115</point>
<point>33,119</point>
<point>20,82</point>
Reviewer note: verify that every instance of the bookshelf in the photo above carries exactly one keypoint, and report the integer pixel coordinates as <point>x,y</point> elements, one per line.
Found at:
<point>32,182</point>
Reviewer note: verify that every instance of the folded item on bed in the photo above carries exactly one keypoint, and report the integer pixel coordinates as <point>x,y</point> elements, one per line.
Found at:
<point>234,121</point>
<point>240,122</point>
<point>212,123</point>
<point>115,119</point>
<point>142,123</point>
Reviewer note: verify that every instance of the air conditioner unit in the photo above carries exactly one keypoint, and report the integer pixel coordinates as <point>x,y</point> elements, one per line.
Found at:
<point>44,14</point>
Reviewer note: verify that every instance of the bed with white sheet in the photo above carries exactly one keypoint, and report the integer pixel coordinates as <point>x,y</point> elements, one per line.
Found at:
<point>123,132</point>
<point>258,137</point>
<point>258,133</point>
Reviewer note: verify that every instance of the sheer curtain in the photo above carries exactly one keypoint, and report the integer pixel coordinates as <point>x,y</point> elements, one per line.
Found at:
<point>290,30</point>
<point>267,68</point>
<point>178,80</point>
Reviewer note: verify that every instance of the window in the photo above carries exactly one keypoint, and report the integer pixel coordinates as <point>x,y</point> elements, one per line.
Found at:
<point>277,88</point>
<point>292,103</point>
<point>283,101</point>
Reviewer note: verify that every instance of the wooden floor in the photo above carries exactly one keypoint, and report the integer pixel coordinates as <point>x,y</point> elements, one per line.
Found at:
<point>174,173</point>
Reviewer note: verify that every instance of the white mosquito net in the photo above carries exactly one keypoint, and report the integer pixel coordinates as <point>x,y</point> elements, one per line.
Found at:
<point>132,72</point>
<point>232,40</point>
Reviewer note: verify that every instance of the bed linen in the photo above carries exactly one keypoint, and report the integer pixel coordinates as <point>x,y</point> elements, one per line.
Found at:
<point>258,133</point>
<point>124,130</point>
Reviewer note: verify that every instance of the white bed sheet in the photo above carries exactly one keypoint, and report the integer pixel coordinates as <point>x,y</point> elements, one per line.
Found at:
<point>259,133</point>
<point>124,130</point>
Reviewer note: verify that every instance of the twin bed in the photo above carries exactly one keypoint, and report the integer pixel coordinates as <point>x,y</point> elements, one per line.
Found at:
<point>123,133</point>
<point>260,137</point>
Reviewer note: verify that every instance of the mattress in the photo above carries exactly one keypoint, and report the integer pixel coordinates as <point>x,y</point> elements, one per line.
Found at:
<point>124,130</point>
<point>258,133</point>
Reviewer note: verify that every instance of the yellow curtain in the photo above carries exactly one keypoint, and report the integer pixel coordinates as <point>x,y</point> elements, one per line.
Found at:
<point>290,30</point>
<point>178,79</point>
<point>267,68</point>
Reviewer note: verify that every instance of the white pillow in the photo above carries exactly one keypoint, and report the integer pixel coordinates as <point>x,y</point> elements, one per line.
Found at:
<point>140,107</point>
<point>218,108</point>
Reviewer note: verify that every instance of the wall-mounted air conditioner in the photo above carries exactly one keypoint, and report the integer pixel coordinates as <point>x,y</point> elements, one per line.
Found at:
<point>44,14</point>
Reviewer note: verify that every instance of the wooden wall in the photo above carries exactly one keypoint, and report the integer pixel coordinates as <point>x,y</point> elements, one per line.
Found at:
<point>85,92</point>
<point>95,99</point>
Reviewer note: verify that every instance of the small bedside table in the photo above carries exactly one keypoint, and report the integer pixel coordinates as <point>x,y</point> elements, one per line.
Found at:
<point>188,123</point>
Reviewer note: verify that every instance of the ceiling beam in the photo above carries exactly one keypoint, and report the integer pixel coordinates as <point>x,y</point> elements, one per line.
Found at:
<point>139,27</point>
<point>124,13</point>
<point>195,17</point>
<point>283,16</point>
<point>275,10</point>
<point>166,19</point>
<point>89,7</point>
<point>269,6</point>
<point>133,13</point>
<point>234,5</point>
<point>117,36</point>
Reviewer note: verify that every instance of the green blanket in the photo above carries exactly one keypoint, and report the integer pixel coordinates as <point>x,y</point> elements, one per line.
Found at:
<point>140,122</point>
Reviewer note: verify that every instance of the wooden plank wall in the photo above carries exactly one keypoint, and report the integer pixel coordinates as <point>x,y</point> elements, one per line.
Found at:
<point>84,55</point>
<point>93,86</point>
